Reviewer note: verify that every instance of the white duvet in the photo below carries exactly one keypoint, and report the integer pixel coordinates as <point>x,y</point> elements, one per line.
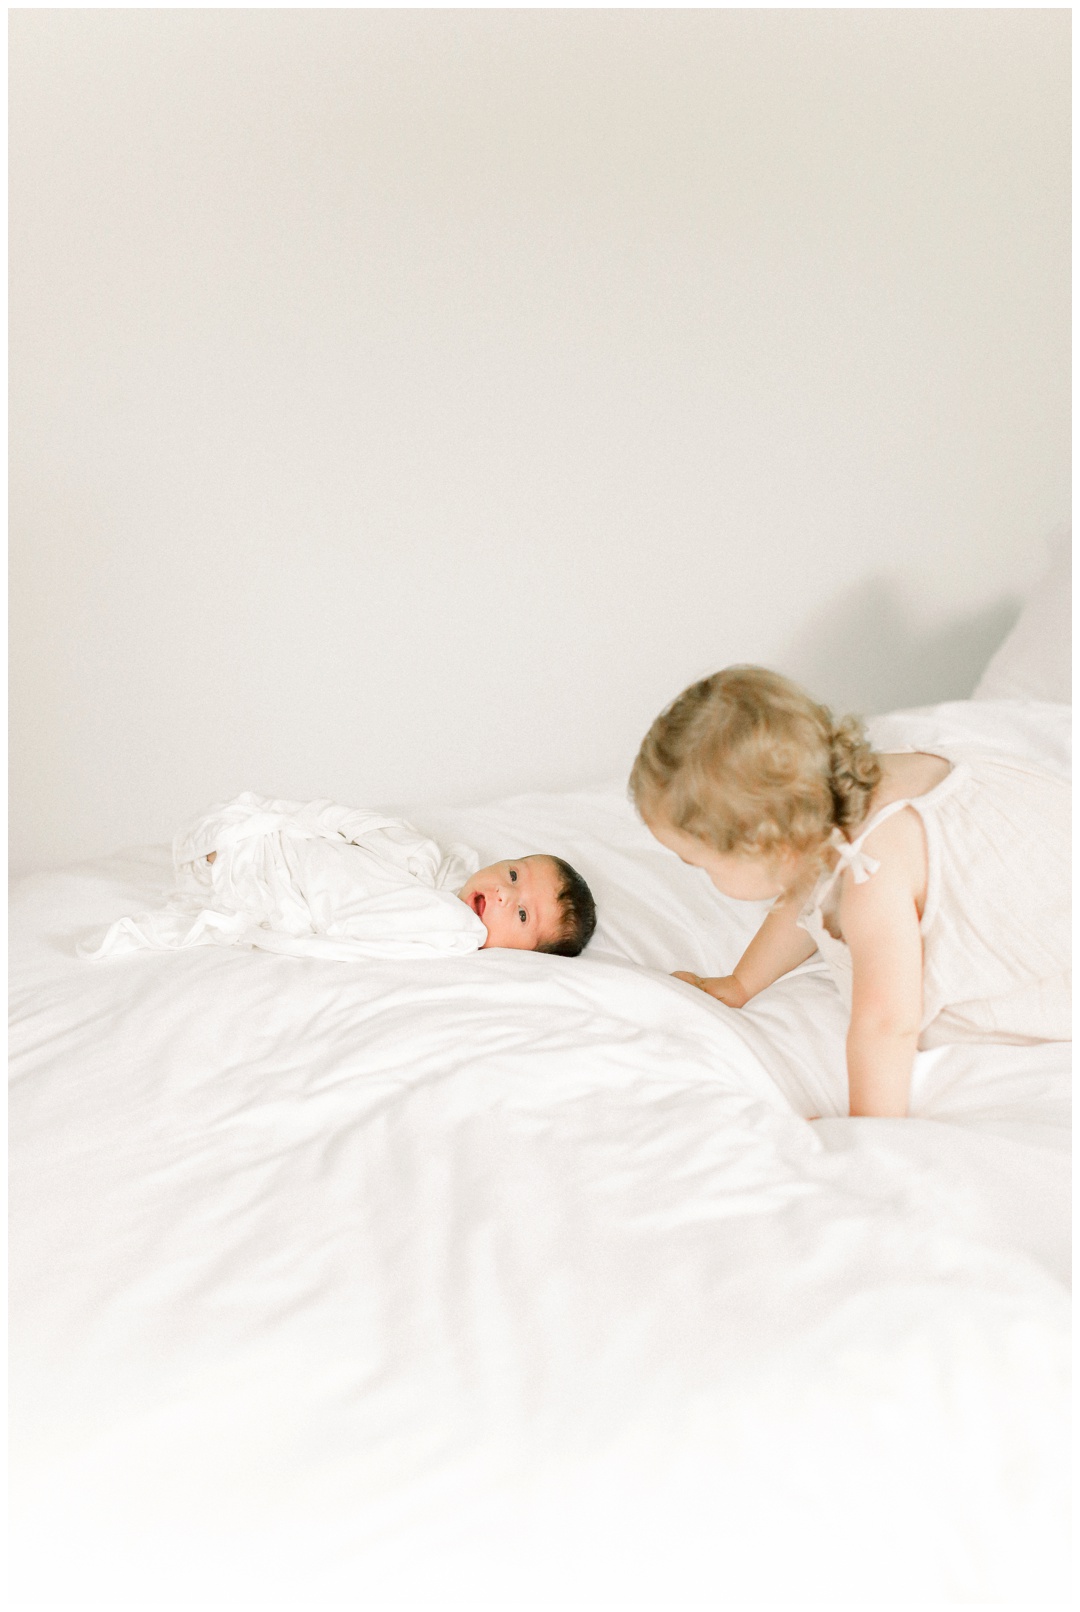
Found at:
<point>513,1280</point>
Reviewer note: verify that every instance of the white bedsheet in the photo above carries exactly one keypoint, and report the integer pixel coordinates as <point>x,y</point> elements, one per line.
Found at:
<point>519,1281</point>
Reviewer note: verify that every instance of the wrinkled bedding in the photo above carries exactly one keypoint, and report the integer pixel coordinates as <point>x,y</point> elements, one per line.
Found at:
<point>306,879</point>
<point>514,1280</point>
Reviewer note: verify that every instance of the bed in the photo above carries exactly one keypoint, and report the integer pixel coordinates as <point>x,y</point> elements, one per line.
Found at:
<point>523,1281</point>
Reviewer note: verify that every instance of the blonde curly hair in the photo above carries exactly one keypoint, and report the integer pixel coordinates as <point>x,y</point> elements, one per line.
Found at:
<point>746,762</point>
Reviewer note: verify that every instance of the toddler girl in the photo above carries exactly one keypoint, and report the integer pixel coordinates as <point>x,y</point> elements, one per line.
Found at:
<point>936,890</point>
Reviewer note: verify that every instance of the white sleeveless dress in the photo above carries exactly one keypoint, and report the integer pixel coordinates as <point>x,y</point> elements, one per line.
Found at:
<point>996,927</point>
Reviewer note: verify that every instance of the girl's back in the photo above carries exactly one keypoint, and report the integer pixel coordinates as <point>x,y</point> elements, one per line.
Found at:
<point>995,912</point>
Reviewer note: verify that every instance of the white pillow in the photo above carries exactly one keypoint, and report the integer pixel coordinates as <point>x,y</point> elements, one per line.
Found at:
<point>1035,661</point>
<point>1036,731</point>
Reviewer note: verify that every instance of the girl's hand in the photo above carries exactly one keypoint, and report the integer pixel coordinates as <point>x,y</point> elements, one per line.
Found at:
<point>724,987</point>
<point>778,947</point>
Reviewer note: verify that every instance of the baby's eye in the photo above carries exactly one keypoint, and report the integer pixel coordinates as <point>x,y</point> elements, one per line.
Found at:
<point>522,915</point>
<point>513,875</point>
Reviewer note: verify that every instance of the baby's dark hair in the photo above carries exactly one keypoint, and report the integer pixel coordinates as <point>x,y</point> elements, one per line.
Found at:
<point>577,909</point>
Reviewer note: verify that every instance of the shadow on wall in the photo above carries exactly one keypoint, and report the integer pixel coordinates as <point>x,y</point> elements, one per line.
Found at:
<point>864,653</point>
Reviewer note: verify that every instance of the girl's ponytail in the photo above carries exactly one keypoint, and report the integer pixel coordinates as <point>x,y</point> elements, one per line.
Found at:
<point>854,772</point>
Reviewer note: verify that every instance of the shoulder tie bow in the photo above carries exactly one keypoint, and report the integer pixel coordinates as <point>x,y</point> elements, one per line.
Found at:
<point>854,857</point>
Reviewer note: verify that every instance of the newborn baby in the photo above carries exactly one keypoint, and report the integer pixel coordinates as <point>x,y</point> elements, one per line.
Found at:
<point>319,880</point>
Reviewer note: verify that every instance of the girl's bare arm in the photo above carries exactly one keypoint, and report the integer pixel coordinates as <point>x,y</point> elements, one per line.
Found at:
<point>777,948</point>
<point>880,923</point>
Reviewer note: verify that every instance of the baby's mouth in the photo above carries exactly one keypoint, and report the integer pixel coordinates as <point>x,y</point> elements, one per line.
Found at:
<point>478,903</point>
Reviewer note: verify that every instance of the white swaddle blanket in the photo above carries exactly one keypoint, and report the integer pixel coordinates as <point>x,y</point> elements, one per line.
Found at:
<point>311,879</point>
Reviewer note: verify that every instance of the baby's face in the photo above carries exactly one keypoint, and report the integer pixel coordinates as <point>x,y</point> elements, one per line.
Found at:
<point>517,902</point>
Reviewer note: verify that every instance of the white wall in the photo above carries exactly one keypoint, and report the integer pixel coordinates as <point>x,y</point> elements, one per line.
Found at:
<point>406,405</point>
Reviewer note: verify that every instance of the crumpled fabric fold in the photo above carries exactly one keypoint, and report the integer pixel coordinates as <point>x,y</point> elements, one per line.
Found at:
<point>310,879</point>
